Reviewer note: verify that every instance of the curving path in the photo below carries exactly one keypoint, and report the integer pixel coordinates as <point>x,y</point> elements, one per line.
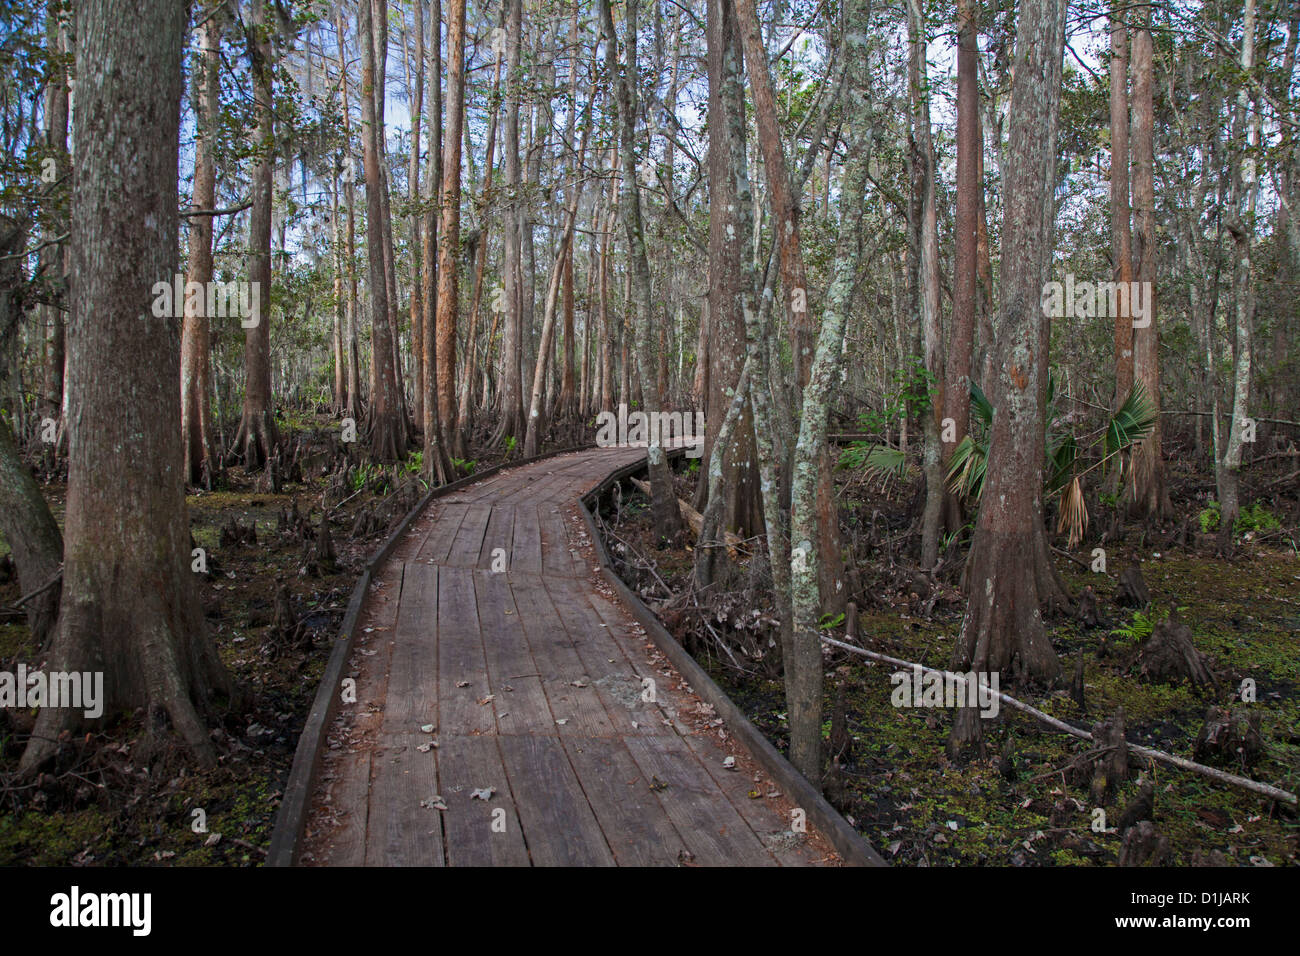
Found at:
<point>490,623</point>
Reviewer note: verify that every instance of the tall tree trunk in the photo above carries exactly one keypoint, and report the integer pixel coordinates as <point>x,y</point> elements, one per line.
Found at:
<point>1241,224</point>
<point>804,667</point>
<point>352,403</point>
<point>437,456</point>
<point>931,322</point>
<point>957,361</point>
<point>511,390</point>
<point>449,232</point>
<point>1009,574</point>
<point>1150,496</point>
<point>663,499</point>
<point>387,426</point>
<point>1120,214</point>
<point>258,437</point>
<point>783,191</point>
<point>730,225</point>
<point>129,607</point>
<point>417,220</point>
<point>197,437</point>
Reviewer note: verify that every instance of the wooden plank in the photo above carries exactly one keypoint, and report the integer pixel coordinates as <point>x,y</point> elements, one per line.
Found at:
<point>634,822</point>
<point>411,699</point>
<point>521,704</point>
<point>559,826</point>
<point>347,781</point>
<point>500,532</point>
<point>564,678</point>
<point>466,764</point>
<point>460,658</point>
<point>556,556</point>
<point>469,537</point>
<point>617,681</point>
<point>443,534</point>
<point>400,832</point>
<point>772,828</point>
<point>526,547</point>
<point>714,831</point>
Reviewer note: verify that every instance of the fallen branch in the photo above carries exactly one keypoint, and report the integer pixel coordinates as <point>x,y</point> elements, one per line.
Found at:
<point>58,576</point>
<point>693,517</point>
<point>1267,790</point>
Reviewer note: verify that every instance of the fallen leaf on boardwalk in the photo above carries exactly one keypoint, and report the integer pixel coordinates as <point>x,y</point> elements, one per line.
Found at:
<point>434,803</point>
<point>729,763</point>
<point>487,700</point>
<point>562,721</point>
<point>578,683</point>
<point>462,683</point>
<point>483,793</point>
<point>428,728</point>
<point>425,748</point>
<point>656,784</point>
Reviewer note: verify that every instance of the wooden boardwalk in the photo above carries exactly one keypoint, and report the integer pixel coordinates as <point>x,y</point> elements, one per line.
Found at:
<point>501,714</point>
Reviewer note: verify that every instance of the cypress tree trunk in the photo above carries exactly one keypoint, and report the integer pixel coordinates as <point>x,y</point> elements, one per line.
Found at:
<point>257,437</point>
<point>129,606</point>
<point>197,437</point>
<point>1009,575</point>
<point>387,425</point>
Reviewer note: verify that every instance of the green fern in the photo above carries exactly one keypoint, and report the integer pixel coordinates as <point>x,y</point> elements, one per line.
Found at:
<point>1139,629</point>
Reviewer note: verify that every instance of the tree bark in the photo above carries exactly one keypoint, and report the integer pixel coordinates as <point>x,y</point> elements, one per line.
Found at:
<point>387,427</point>
<point>449,231</point>
<point>663,504</point>
<point>129,606</point>
<point>1121,240</point>
<point>1150,497</point>
<point>197,436</point>
<point>804,668</point>
<point>931,320</point>
<point>257,438</point>
<point>352,402</point>
<point>1009,574</point>
<point>1241,225</point>
<point>956,380</point>
<point>510,394</point>
<point>730,225</point>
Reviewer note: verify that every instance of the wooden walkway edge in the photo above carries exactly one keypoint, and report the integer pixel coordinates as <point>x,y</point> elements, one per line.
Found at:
<point>498,697</point>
